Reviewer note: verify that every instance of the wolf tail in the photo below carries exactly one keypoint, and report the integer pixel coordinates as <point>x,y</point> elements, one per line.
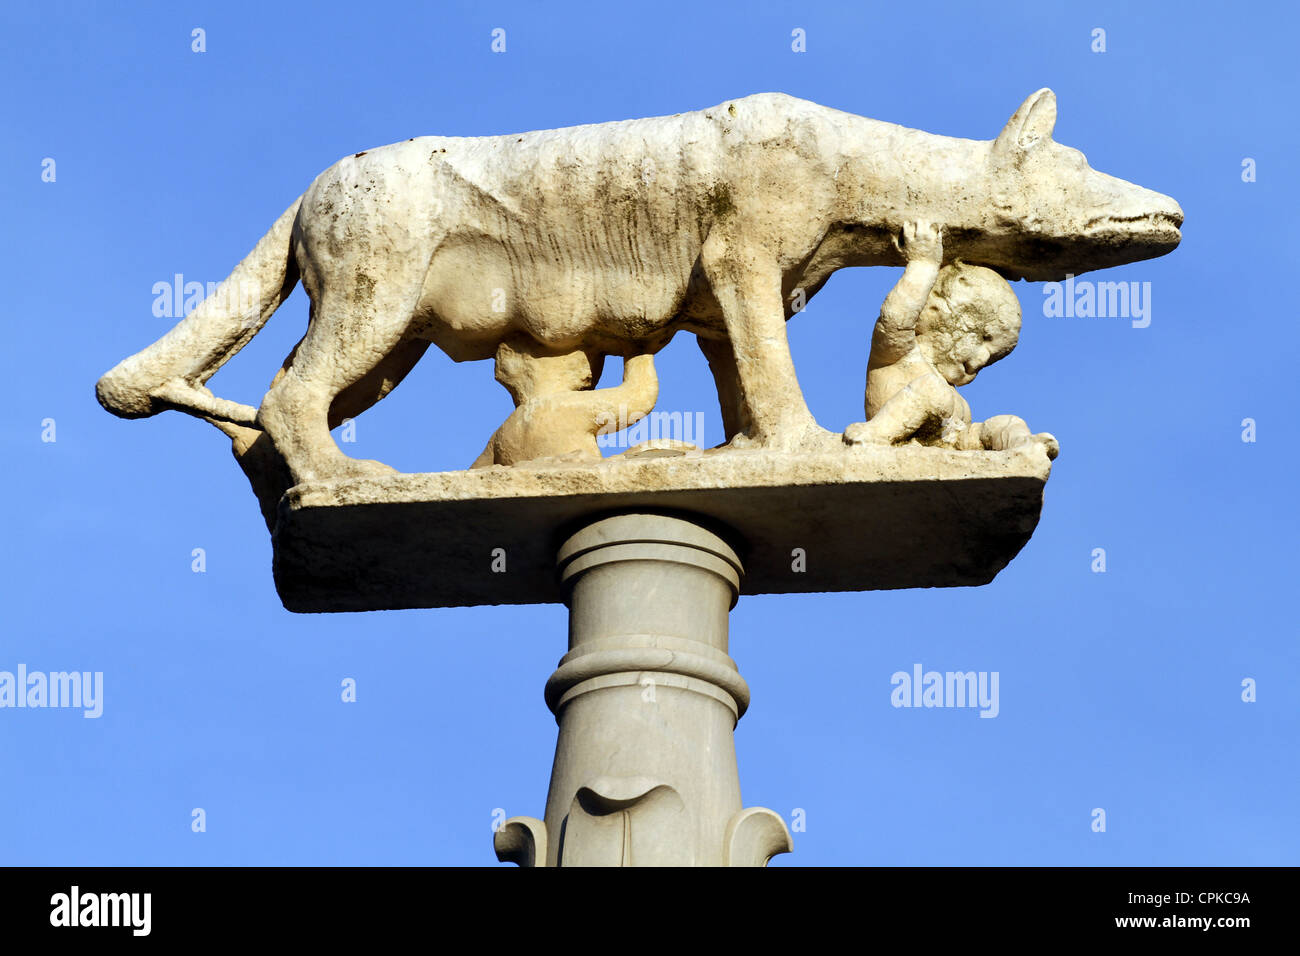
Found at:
<point>171,372</point>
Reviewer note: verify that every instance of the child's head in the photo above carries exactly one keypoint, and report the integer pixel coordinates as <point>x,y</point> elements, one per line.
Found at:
<point>971,320</point>
<point>526,374</point>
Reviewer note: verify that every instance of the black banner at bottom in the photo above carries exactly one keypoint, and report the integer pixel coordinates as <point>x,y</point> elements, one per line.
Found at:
<point>373,905</point>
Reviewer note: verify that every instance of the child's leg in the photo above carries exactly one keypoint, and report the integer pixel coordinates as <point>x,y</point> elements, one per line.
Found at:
<point>919,410</point>
<point>1003,432</point>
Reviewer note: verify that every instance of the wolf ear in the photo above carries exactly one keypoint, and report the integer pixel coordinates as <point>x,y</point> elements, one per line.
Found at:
<point>1032,123</point>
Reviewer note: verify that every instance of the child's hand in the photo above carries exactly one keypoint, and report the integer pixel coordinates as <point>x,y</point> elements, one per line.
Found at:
<point>921,241</point>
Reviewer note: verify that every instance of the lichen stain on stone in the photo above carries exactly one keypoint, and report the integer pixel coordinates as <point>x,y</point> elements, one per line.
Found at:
<point>720,202</point>
<point>365,288</point>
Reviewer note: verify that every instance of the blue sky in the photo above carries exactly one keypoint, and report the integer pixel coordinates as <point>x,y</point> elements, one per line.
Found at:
<point>1120,690</point>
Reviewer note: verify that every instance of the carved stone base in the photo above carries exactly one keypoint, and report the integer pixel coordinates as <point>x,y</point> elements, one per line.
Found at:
<point>856,519</point>
<point>647,702</point>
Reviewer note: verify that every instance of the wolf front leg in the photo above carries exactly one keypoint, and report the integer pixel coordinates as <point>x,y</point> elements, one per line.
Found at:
<point>747,284</point>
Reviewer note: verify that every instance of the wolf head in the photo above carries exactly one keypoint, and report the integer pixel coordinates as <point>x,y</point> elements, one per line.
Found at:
<point>1043,212</point>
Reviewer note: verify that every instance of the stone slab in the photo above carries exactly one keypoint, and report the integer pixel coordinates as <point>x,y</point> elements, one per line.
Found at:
<point>867,518</point>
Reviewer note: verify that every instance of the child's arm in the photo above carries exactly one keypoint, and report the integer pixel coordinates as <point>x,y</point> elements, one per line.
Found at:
<point>895,332</point>
<point>638,392</point>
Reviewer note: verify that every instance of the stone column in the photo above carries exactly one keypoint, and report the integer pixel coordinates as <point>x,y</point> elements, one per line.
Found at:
<point>647,701</point>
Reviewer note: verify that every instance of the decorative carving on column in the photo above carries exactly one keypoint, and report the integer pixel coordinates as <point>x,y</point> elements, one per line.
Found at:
<point>647,700</point>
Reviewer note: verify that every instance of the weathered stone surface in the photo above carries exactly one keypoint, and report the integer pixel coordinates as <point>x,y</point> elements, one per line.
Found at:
<point>866,517</point>
<point>568,245</point>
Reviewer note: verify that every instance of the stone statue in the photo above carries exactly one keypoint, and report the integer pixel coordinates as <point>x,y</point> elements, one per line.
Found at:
<point>938,327</point>
<point>608,240</point>
<point>549,251</point>
<point>557,413</point>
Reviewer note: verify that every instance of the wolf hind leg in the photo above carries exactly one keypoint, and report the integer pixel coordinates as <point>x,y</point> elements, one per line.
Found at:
<point>347,344</point>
